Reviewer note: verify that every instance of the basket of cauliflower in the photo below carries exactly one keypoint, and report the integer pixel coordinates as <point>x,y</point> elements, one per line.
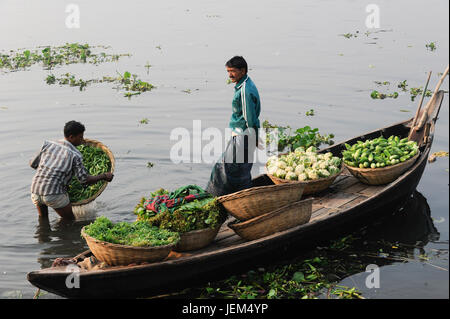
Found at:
<point>316,171</point>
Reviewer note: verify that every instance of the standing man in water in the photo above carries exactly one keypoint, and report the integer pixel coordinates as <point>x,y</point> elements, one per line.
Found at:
<point>56,163</point>
<point>232,172</point>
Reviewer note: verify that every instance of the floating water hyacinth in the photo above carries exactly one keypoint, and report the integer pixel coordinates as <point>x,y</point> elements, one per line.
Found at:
<point>49,57</point>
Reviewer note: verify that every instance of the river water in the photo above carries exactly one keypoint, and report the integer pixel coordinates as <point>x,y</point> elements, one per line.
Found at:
<point>297,58</point>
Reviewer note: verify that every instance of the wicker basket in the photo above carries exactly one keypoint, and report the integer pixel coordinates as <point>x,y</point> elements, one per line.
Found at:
<point>285,217</point>
<point>196,239</point>
<point>381,175</point>
<point>256,201</point>
<point>115,255</point>
<point>311,187</point>
<point>105,149</point>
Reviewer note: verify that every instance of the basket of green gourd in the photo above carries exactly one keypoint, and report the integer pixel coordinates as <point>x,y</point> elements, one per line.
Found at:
<point>380,161</point>
<point>306,168</point>
<point>98,159</point>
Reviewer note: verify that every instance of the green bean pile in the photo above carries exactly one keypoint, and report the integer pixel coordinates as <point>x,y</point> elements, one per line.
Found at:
<point>96,162</point>
<point>379,152</point>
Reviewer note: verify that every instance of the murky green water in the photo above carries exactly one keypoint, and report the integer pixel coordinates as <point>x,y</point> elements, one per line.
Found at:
<point>298,60</point>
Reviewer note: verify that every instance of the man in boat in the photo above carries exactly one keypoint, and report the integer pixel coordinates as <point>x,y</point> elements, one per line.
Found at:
<point>232,172</point>
<point>55,165</point>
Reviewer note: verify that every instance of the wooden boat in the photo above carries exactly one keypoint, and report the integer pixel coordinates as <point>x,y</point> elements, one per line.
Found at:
<point>344,205</point>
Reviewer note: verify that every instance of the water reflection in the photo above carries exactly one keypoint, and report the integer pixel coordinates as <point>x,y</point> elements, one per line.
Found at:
<point>60,239</point>
<point>409,228</point>
<point>393,239</point>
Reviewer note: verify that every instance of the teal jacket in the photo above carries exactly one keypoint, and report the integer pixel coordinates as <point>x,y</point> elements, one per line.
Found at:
<point>246,106</point>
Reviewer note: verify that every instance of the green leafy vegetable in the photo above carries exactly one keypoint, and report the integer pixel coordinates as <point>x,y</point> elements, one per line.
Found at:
<point>195,215</point>
<point>290,139</point>
<point>96,162</point>
<point>138,234</point>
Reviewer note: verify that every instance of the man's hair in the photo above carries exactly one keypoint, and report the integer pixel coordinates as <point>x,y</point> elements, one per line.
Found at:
<point>73,128</point>
<point>237,62</point>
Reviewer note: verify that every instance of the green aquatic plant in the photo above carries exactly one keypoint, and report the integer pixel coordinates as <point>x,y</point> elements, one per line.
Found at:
<point>350,35</point>
<point>431,46</point>
<point>49,56</point>
<point>403,86</point>
<point>382,82</point>
<point>138,233</point>
<point>132,84</point>
<point>307,278</point>
<point>127,81</point>
<point>414,92</point>
<point>68,79</point>
<point>310,112</point>
<point>378,95</point>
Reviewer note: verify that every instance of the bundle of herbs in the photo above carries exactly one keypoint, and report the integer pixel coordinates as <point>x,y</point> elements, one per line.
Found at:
<point>96,162</point>
<point>137,234</point>
<point>194,215</point>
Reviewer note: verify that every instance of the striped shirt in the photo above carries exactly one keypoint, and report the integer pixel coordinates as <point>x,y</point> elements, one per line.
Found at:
<point>56,164</point>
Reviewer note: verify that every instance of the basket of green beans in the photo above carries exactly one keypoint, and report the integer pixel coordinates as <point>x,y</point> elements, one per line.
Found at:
<point>97,159</point>
<point>381,160</point>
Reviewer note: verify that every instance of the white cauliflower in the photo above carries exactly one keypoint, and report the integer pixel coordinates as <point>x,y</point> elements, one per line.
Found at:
<point>272,169</point>
<point>324,173</point>
<point>289,169</point>
<point>323,164</point>
<point>280,173</point>
<point>302,177</point>
<point>271,159</point>
<point>333,169</point>
<point>335,161</point>
<point>291,176</point>
<point>299,169</point>
<point>311,149</point>
<point>315,165</point>
<point>281,164</point>
<point>312,174</point>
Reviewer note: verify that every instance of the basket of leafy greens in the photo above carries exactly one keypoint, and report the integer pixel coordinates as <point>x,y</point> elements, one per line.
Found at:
<point>126,243</point>
<point>98,159</point>
<point>198,221</point>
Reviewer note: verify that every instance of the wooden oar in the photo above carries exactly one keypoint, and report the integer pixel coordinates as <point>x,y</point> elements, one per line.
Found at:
<point>415,134</point>
<point>416,116</point>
